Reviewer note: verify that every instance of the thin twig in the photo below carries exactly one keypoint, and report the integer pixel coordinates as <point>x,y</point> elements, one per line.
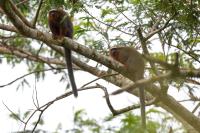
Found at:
<point>22,2</point>
<point>197,106</point>
<point>39,118</point>
<point>37,14</point>
<point>104,76</point>
<point>48,104</point>
<point>146,52</point>
<point>38,71</point>
<point>107,24</point>
<point>13,113</point>
<point>123,110</point>
<point>132,107</point>
<point>132,86</point>
<point>36,97</point>
<point>160,29</point>
<point>124,14</point>
<point>192,81</point>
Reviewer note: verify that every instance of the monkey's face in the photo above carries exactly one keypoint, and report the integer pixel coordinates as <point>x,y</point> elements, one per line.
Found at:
<point>54,15</point>
<point>114,53</point>
<point>119,55</point>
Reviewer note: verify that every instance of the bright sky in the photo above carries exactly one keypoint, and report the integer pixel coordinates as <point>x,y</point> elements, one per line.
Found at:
<point>48,89</point>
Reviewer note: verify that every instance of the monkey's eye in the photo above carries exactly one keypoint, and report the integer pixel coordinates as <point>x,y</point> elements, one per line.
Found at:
<point>113,51</point>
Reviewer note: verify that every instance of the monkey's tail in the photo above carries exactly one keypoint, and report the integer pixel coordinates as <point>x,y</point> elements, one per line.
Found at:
<point>68,59</point>
<point>142,106</point>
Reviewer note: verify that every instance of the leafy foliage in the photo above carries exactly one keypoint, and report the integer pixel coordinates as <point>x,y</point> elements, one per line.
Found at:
<point>128,123</point>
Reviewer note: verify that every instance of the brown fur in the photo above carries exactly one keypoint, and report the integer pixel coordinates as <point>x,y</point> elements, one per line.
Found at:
<point>133,61</point>
<point>61,26</point>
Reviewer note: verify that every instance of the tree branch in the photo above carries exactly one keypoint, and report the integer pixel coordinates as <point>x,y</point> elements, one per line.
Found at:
<point>145,82</point>
<point>8,28</point>
<point>25,75</point>
<point>6,49</point>
<point>19,14</point>
<point>37,13</point>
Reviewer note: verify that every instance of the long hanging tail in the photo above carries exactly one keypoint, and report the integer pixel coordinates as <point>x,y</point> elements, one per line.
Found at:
<point>142,106</point>
<point>70,70</point>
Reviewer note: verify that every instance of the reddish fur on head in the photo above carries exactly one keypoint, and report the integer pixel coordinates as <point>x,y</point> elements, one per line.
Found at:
<point>134,64</point>
<point>119,54</point>
<point>60,23</point>
<point>131,59</point>
<point>61,26</point>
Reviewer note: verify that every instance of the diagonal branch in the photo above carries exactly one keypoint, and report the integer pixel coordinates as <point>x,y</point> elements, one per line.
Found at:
<point>21,2</point>
<point>25,75</point>
<point>123,110</point>
<point>147,82</point>
<point>19,14</point>
<point>6,49</point>
<point>15,115</point>
<point>8,28</point>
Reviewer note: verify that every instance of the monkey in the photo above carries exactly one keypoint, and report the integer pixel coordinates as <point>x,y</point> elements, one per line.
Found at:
<point>134,63</point>
<point>61,26</point>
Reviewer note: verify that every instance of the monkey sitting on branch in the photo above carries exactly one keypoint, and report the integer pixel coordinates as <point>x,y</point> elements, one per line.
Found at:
<point>134,64</point>
<point>61,26</point>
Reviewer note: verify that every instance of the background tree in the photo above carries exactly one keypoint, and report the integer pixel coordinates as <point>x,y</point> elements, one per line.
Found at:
<point>166,32</point>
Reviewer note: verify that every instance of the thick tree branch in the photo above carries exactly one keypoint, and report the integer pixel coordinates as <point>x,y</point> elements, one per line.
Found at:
<point>8,28</point>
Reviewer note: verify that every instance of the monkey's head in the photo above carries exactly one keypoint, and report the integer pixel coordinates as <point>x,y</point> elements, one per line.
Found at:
<point>56,14</point>
<point>119,54</point>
